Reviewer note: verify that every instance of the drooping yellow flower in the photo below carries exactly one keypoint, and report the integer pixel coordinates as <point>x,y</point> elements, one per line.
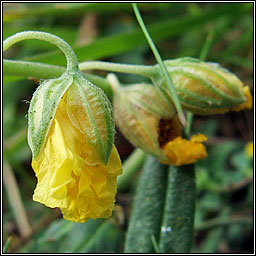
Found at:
<point>67,176</point>
<point>71,135</point>
<point>148,120</point>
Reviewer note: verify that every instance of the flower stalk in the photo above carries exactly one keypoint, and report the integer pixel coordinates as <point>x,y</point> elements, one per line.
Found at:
<point>142,70</point>
<point>72,63</point>
<point>48,71</point>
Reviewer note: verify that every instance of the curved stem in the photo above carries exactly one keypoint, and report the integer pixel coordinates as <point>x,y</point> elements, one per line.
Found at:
<point>72,63</point>
<point>117,67</point>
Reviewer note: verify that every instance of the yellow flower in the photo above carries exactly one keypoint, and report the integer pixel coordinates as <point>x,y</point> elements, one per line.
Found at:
<point>177,150</point>
<point>249,149</point>
<point>181,151</point>
<point>147,119</point>
<point>68,177</point>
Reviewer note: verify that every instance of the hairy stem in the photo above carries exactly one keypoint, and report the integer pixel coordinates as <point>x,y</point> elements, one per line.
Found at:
<point>72,63</point>
<point>117,67</point>
<point>46,71</point>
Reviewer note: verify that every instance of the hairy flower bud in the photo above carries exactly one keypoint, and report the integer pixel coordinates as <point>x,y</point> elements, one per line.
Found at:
<point>206,88</point>
<point>87,107</point>
<point>148,120</point>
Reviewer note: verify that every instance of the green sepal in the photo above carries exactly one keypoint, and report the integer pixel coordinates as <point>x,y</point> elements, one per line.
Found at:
<point>91,112</point>
<point>138,110</point>
<point>149,98</point>
<point>42,109</point>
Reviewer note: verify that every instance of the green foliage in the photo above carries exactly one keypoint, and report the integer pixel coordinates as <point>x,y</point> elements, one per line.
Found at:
<point>178,215</point>
<point>146,216</point>
<point>64,236</point>
<point>224,182</point>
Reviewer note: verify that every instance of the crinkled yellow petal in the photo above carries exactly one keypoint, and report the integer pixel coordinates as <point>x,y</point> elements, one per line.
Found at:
<point>249,149</point>
<point>181,151</point>
<point>66,180</point>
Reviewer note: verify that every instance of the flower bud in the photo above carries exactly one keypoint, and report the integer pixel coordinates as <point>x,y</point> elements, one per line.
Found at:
<point>87,107</point>
<point>138,110</point>
<point>148,120</point>
<point>206,88</point>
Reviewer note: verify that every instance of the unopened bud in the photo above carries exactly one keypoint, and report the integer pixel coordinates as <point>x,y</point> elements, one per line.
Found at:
<point>140,112</point>
<point>88,109</point>
<point>206,88</point>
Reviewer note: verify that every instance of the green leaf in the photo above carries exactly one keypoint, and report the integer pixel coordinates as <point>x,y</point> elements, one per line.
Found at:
<point>178,215</point>
<point>62,236</point>
<point>56,231</point>
<point>212,240</point>
<point>59,9</point>
<point>145,219</point>
<point>115,44</point>
<point>106,239</point>
<point>217,159</point>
